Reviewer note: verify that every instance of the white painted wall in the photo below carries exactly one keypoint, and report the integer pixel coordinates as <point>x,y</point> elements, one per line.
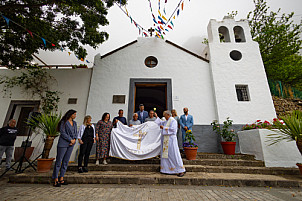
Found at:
<point>73,83</point>
<point>191,80</point>
<point>248,71</point>
<point>282,154</point>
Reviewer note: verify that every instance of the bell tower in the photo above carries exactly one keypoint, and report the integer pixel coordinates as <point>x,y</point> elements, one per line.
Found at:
<point>239,80</point>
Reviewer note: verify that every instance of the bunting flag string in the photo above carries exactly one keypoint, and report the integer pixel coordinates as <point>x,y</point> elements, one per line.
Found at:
<point>137,25</point>
<point>177,11</point>
<point>32,34</point>
<point>163,24</point>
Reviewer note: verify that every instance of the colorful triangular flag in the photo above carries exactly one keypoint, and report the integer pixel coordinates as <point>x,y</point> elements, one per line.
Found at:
<point>30,33</point>
<point>44,41</point>
<point>6,19</point>
<point>182,6</point>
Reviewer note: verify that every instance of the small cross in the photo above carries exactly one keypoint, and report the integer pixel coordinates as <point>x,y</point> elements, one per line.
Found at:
<point>140,136</point>
<point>151,30</point>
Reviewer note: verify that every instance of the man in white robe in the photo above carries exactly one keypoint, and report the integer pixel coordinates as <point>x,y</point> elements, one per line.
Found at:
<point>171,161</point>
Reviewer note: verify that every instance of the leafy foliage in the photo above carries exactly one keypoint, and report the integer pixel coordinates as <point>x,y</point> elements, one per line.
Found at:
<point>70,24</point>
<point>35,82</point>
<point>225,132</point>
<point>279,40</point>
<point>189,139</point>
<point>48,124</point>
<point>290,130</point>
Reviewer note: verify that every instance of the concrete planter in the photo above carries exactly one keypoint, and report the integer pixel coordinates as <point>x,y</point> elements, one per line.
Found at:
<point>282,154</point>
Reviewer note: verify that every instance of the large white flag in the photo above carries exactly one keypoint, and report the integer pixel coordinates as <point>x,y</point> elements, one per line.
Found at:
<point>135,143</point>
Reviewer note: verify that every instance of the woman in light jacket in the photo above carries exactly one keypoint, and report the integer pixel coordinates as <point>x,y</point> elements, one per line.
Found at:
<point>68,135</point>
<point>86,139</point>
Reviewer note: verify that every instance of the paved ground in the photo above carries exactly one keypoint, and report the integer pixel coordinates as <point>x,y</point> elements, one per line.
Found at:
<point>90,192</point>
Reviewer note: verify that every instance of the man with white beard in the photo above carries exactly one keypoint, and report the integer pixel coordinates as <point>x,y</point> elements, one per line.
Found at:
<point>171,161</point>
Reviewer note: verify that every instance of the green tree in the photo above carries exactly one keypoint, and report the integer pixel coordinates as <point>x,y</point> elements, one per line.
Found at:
<point>279,40</point>
<point>68,24</point>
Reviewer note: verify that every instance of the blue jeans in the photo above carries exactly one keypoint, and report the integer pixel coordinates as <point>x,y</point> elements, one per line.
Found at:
<point>63,156</point>
<point>9,154</point>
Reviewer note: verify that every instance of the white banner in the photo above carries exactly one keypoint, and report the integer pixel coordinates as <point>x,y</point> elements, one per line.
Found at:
<point>135,143</point>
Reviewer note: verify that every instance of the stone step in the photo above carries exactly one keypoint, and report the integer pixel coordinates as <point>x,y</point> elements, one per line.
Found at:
<point>201,155</point>
<point>222,156</point>
<point>207,162</point>
<point>191,168</point>
<point>191,178</point>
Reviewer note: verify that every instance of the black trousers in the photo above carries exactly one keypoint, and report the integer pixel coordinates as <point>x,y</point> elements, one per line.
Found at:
<point>85,149</point>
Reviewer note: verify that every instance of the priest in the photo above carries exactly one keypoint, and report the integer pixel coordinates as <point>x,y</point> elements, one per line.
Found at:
<point>171,162</point>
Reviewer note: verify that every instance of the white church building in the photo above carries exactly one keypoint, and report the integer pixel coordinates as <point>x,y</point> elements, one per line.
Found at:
<point>228,80</point>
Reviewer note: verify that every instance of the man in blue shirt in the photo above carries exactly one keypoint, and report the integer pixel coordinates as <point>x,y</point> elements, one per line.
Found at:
<point>120,118</point>
<point>142,115</point>
<point>186,123</point>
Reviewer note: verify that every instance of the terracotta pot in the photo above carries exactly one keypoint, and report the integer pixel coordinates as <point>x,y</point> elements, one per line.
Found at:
<point>44,165</point>
<point>191,153</point>
<point>228,147</point>
<point>19,152</point>
<point>300,167</point>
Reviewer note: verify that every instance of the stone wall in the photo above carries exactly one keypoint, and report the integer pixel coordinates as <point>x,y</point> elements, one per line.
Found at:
<point>285,106</point>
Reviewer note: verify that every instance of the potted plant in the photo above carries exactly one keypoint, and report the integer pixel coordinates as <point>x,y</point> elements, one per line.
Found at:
<point>290,129</point>
<point>189,146</point>
<point>227,134</point>
<point>48,124</point>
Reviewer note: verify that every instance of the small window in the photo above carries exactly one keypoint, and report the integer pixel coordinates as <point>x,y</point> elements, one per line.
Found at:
<point>224,35</point>
<point>236,55</point>
<point>119,99</point>
<point>239,34</point>
<point>72,101</point>
<point>242,93</point>
<point>151,62</point>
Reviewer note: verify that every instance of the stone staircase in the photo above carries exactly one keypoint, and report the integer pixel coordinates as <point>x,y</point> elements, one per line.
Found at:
<point>207,169</point>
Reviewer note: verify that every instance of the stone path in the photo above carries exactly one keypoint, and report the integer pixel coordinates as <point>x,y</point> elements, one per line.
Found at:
<point>90,192</point>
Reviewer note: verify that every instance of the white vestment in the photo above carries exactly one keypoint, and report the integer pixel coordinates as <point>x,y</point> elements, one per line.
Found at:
<point>171,161</point>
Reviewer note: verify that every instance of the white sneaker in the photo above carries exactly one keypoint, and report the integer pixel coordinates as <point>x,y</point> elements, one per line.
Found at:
<point>105,162</point>
<point>97,162</point>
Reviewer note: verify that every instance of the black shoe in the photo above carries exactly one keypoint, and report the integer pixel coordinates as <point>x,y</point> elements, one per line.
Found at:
<point>80,170</point>
<point>85,169</point>
<point>57,184</point>
<point>181,174</point>
<point>63,182</point>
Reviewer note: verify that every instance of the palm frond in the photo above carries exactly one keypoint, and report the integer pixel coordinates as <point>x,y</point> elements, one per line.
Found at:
<point>47,123</point>
<point>290,130</point>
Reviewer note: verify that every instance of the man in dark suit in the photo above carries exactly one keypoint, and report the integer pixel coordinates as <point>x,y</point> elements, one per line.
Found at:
<point>142,115</point>
<point>186,123</point>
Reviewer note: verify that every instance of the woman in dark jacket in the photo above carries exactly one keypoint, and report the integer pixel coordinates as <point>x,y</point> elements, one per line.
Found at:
<point>86,137</point>
<point>68,135</point>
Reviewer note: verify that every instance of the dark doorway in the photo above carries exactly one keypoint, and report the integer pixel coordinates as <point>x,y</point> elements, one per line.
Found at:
<point>153,96</point>
<point>20,110</point>
<point>23,128</point>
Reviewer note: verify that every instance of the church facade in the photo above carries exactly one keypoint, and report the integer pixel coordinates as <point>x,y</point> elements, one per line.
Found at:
<point>228,80</point>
